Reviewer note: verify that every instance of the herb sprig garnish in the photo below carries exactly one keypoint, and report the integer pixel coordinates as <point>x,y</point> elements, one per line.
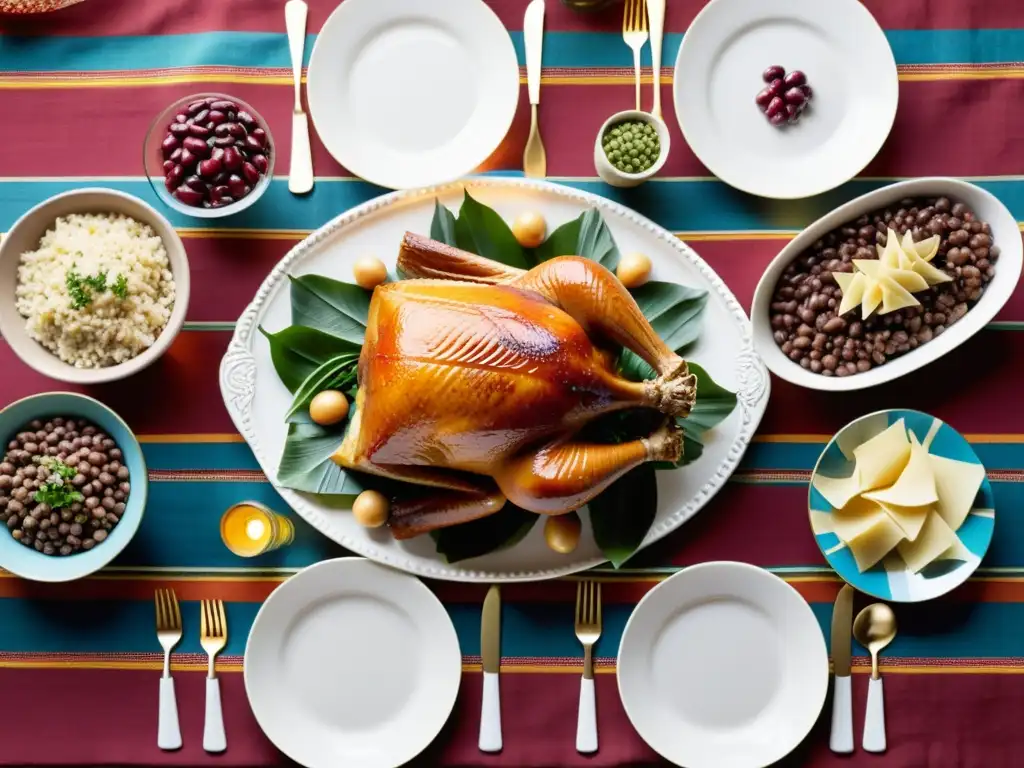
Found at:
<point>58,493</point>
<point>82,289</point>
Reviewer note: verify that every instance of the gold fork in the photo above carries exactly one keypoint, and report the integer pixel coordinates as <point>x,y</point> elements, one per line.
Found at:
<point>213,636</point>
<point>168,632</point>
<point>634,33</point>
<point>588,630</point>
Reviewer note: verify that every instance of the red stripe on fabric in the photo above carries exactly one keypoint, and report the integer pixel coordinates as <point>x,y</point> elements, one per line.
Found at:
<point>990,362</point>
<point>107,17</point>
<point>178,394</point>
<point>969,730</point>
<point>570,119</point>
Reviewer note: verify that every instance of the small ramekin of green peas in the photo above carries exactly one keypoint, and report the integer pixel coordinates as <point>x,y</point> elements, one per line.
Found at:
<point>631,147</point>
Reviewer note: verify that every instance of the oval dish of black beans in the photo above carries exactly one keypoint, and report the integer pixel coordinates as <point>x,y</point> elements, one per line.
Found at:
<point>803,307</point>
<point>63,486</point>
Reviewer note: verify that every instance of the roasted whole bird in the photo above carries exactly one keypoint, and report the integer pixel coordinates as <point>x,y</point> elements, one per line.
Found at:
<point>475,378</point>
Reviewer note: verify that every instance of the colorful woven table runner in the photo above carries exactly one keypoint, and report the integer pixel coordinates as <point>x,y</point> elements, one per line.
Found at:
<point>79,663</point>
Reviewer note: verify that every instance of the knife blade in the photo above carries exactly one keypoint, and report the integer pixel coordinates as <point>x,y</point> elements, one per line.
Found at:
<point>841,737</point>
<point>533,35</point>
<point>656,19</point>
<point>490,656</point>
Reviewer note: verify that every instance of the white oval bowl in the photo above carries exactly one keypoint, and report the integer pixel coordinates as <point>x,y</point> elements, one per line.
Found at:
<point>1005,234</point>
<point>25,234</point>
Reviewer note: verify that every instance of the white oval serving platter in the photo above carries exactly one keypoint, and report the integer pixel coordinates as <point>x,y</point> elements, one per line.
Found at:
<point>257,400</point>
<point>987,206</point>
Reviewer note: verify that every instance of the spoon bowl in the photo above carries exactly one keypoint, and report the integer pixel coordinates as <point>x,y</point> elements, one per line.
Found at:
<point>875,628</point>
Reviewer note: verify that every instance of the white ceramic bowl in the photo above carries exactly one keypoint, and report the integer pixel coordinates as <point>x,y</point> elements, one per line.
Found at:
<point>24,236</point>
<point>613,175</point>
<point>987,206</point>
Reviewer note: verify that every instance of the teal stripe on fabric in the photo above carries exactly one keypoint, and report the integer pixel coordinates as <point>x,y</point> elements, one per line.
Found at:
<point>803,456</point>
<point>185,456</point>
<point>538,629</point>
<point>561,49</point>
<point>180,528</point>
<point>696,206</point>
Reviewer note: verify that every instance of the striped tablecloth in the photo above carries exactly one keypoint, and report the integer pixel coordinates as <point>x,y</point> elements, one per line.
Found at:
<point>79,663</point>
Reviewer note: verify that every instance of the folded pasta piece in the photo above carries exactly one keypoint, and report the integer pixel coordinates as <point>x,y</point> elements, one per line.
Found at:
<point>881,459</point>
<point>915,487</point>
<point>935,538</point>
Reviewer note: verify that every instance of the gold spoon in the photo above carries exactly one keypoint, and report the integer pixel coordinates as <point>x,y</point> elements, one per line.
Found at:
<point>875,628</point>
<point>535,162</point>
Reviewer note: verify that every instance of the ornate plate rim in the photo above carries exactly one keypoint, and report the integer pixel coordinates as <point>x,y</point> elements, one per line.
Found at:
<point>237,377</point>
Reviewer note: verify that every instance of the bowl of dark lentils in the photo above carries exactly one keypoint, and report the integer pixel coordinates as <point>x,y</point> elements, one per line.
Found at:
<point>73,486</point>
<point>209,155</point>
<point>804,338</point>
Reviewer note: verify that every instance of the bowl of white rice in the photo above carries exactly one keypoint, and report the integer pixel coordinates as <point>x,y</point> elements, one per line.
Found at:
<point>94,286</point>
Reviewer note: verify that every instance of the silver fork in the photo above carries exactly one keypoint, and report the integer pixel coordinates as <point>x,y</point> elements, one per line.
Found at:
<point>588,630</point>
<point>634,33</point>
<point>168,632</point>
<point>213,636</point>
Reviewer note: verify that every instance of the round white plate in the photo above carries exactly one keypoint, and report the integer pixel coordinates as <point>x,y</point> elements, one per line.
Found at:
<point>257,400</point>
<point>406,93</point>
<point>848,63</point>
<point>352,663</point>
<point>723,665</point>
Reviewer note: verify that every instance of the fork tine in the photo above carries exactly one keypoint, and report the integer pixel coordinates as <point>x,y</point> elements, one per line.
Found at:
<point>176,609</point>
<point>580,589</point>
<point>222,620</point>
<point>642,11</point>
<point>625,18</point>
<point>593,603</point>
<point>598,620</point>
<point>156,602</point>
<point>204,626</point>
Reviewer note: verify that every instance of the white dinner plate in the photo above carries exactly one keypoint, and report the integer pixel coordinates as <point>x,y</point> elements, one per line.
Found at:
<point>723,665</point>
<point>407,93</point>
<point>848,63</point>
<point>352,663</point>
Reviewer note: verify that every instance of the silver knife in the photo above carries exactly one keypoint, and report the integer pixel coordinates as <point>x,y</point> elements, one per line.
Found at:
<point>841,737</point>
<point>300,175</point>
<point>656,17</point>
<point>535,162</point>
<point>490,654</point>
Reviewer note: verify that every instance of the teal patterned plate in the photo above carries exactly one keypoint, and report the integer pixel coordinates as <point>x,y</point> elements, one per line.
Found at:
<point>890,579</point>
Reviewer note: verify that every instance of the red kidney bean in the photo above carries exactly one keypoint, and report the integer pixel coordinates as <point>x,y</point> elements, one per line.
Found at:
<point>250,173</point>
<point>237,130</point>
<point>201,117</point>
<point>226,200</point>
<point>188,158</point>
<point>236,186</point>
<point>792,112</point>
<point>210,167</point>
<point>246,118</point>
<point>180,130</point>
<point>808,91</point>
<point>220,179</point>
<point>260,161</point>
<point>168,164</point>
<point>776,87</point>
<point>173,179</point>
<point>181,117</point>
<point>196,106</point>
<point>169,144</point>
<point>196,183</point>
<point>251,142</point>
<point>217,153</point>
<point>217,117</point>
<point>778,118</point>
<point>188,196</point>
<point>260,135</point>
<point>763,97</point>
<point>217,192</point>
<point>795,78</point>
<point>776,107</point>
<point>232,159</point>
<point>196,145</point>
<point>224,106</point>
<point>199,131</point>
<point>222,129</point>
<point>224,141</point>
<point>773,72</point>
<point>176,155</point>
<point>794,96</point>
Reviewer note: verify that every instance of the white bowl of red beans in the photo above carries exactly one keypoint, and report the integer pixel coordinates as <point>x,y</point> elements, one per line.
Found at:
<point>803,340</point>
